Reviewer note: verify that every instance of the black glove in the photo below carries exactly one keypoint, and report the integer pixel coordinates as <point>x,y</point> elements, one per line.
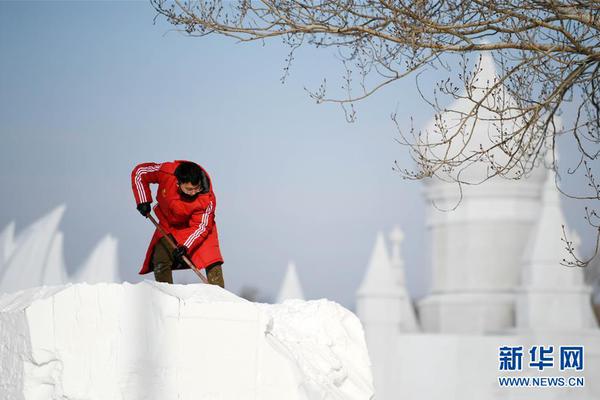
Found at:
<point>144,208</point>
<point>179,253</point>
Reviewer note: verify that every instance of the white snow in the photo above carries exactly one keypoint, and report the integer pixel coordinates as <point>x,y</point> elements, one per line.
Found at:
<point>291,288</point>
<point>36,258</point>
<point>102,266</point>
<point>470,121</point>
<point>547,284</point>
<point>7,243</point>
<point>159,341</point>
<point>380,277</point>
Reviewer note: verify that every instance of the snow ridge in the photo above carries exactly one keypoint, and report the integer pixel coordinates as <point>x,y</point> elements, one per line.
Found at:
<point>188,342</point>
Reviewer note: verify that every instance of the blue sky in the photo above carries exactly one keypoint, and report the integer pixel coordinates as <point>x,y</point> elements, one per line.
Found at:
<point>89,89</point>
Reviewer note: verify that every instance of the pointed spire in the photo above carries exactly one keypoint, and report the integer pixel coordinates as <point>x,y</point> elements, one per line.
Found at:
<point>291,288</point>
<point>457,133</point>
<point>380,278</point>
<point>27,265</point>
<point>487,76</point>
<point>546,249</point>
<point>102,265</point>
<point>54,271</point>
<point>546,284</point>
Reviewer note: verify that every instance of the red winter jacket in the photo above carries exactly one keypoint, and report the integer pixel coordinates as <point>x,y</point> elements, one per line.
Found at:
<point>192,223</point>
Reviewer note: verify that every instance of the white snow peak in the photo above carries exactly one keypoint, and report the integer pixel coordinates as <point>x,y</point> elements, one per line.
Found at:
<point>36,257</point>
<point>158,341</point>
<point>380,277</point>
<point>291,288</point>
<point>102,266</point>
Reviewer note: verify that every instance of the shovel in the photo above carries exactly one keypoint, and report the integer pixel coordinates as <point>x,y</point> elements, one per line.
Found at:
<point>174,246</point>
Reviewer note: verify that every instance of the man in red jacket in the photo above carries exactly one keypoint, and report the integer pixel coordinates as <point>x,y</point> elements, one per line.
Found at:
<point>185,209</point>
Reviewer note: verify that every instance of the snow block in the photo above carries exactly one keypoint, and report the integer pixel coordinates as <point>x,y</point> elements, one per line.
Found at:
<point>159,341</point>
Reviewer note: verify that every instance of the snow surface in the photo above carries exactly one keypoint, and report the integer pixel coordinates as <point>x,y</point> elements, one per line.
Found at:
<point>157,341</point>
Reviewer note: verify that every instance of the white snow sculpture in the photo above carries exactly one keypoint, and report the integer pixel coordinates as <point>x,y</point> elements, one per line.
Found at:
<point>290,288</point>
<point>157,341</point>
<point>379,305</point>
<point>55,271</point>
<point>408,319</point>
<point>484,294</point>
<point>7,241</point>
<point>548,285</point>
<point>452,136</point>
<point>102,265</point>
<point>476,249</point>
<point>7,245</point>
<point>37,256</point>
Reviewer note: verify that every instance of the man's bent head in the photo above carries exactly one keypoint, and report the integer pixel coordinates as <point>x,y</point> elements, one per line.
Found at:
<point>191,180</point>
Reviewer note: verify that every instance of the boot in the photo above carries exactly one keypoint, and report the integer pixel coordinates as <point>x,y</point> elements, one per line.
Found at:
<point>214,275</point>
<point>163,273</point>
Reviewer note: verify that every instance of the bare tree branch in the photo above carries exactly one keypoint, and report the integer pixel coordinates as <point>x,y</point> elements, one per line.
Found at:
<point>547,52</point>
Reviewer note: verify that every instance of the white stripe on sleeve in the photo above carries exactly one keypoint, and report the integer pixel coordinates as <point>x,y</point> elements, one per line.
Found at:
<point>138,181</point>
<point>201,227</point>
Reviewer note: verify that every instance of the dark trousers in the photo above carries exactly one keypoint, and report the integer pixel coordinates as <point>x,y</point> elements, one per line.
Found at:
<point>163,261</point>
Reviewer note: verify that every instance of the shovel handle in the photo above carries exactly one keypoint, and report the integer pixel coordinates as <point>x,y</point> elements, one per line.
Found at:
<point>174,246</point>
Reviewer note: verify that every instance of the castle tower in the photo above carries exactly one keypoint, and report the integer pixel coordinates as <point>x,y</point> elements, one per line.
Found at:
<point>476,248</point>
<point>379,306</point>
<point>548,285</point>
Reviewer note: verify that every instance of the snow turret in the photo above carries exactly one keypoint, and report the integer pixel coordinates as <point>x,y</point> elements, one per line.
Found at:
<point>290,288</point>
<point>476,248</point>
<point>37,258</point>
<point>548,285</point>
<point>102,266</point>
<point>456,134</point>
<point>380,306</point>
<point>380,280</point>
<point>408,320</point>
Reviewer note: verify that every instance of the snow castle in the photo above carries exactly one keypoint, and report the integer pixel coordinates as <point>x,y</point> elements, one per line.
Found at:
<point>496,282</point>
